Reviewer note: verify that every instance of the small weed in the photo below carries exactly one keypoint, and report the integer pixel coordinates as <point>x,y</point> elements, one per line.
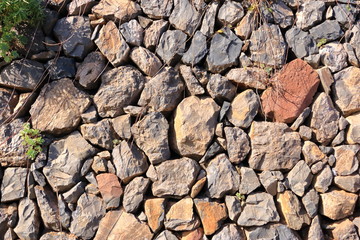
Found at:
<point>32,139</point>
<point>116,142</point>
<point>321,42</point>
<point>240,196</point>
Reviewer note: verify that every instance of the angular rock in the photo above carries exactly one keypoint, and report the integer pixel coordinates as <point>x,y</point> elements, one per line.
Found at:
<point>324,119</point>
<point>347,159</point>
<point>243,109</point>
<point>230,232</point>
<point>22,74</point>
<point>181,216</point>
<point>146,61</point>
<point>185,17</point>
<point>193,235</point>
<point>248,77</point>
<point>305,133</point>
<point>293,211</point>
<point>230,13</point>
<point>267,144</point>
<point>283,15</point>
<point>122,126</point>
<point>65,159</point>
<point>49,209</point>
<point>197,50</point>
<point>220,88</point>
<point>62,67</point>
<point>74,33</point>
<point>267,46</point>
<point>129,161</point>
<point>249,181</point>
<point>110,189</point>
<point>326,79</point>
<point>309,14</point>
<point>151,135</point>
<point>353,133</point>
<point>166,235</point>
<point>171,46</point>
<point>345,14</point>
<point>334,56</point>
<point>238,145</point>
<point>29,222</point>
<point>74,193</point>
<point>132,32</point>
<point>155,212</point>
<point>271,231</point>
<point>246,26</point>
<point>352,59</point>
<point>222,177</point>
<point>112,44</point>
<point>211,213</point>
<point>329,30</point>
<point>153,33</point>
<point>58,108</point>
<point>175,177</point>
<point>58,236</point>
<point>344,229</point>
<point>119,88</point>
<point>208,23</point>
<point>13,184</point>
<point>117,10</point>
<point>323,180</point>
<point>89,71</point>
<point>192,84</point>
<point>315,231</point>
<point>80,7</point>
<point>337,204</point>
<point>157,9</point>
<point>311,202</point>
<point>233,206</point>
<point>163,92</point>
<point>346,88</point>
<point>301,43</point>
<point>300,178</point>
<point>296,85</point>
<point>224,51</point>
<point>191,135</point>
<point>197,187</point>
<point>101,133</point>
<point>348,183</point>
<point>90,115</point>
<point>134,193</point>
<point>269,182</point>
<point>8,101</point>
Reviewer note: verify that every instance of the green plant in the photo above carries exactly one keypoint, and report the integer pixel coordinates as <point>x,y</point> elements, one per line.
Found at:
<point>321,42</point>
<point>15,13</point>
<point>32,139</point>
<point>116,142</point>
<point>240,196</point>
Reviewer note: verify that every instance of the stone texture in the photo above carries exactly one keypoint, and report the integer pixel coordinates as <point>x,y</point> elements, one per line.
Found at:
<point>347,159</point>
<point>151,135</point>
<point>48,205</point>
<point>274,146</point>
<point>334,56</point>
<point>220,88</point>
<point>74,33</point>
<point>271,231</point>
<point>101,133</point>
<point>283,15</point>
<point>309,14</point>
<point>181,216</point>
<point>243,109</point>
<point>72,195</point>
<point>311,202</point>
<point>129,161</point>
<point>192,135</point>
<point>346,89</point>
<point>117,10</point>
<point>353,133</point>
<point>8,102</point>
<point>233,206</point>
<point>13,184</point>
<point>329,30</point>
<point>163,92</point>
<point>153,33</point>
<point>58,108</point>
<point>230,13</point>
<point>300,178</point>
<point>295,87</point>
<point>63,67</point>
<point>155,212</point>
<point>134,193</point>
<point>166,235</point>
<point>269,182</point>
<point>249,181</point>
<point>122,126</point>
<point>211,213</point>
<point>337,204</point>
<point>197,50</point>
<point>208,23</point>
<point>326,79</point>
<point>230,232</point>
<point>80,7</point>
<point>65,159</point>
<point>22,74</point>
<point>28,224</point>
<point>222,177</point>
<point>174,177</point>
<point>132,32</point>
<point>146,61</point>
<point>248,77</point>
<point>348,183</point>
<point>292,210</point>
<point>224,51</point>
<point>110,189</point>
<point>315,231</point>
<point>246,26</point>
<point>237,142</point>
<point>185,16</point>
<point>301,43</point>
<point>58,236</point>
<point>119,88</point>
<point>157,9</point>
<point>324,119</point>
<point>192,84</point>
<point>171,46</point>
<point>323,180</point>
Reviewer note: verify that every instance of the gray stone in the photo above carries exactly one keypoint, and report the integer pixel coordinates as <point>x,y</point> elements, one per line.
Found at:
<point>65,159</point>
<point>197,50</point>
<point>89,71</point>
<point>267,141</point>
<point>300,178</point>
<point>324,119</point>
<point>323,180</point>
<point>269,182</point>
<point>334,56</point>
<point>90,115</point>
<point>347,159</point>
<point>229,232</point>
<point>132,32</point>
<point>220,88</point>
<point>22,74</point>
<point>222,177</point>
<point>259,210</point>
<point>267,46</point>
<point>174,177</point>
<point>355,32</point>
<point>192,84</point>
<point>90,209</point>
<point>61,67</point>
<point>74,33</point>
<point>146,61</point>
<point>28,224</point>
<point>64,213</point>
<point>13,184</point>
<point>101,133</point>
<point>313,60</point>
<point>309,14</point>
<point>157,9</point>
<point>48,205</point>
<point>249,181</point>
<point>238,145</point>
<point>80,7</point>
<point>301,118</point>
<point>163,92</point>
<point>211,152</point>
<point>305,133</point>
<point>348,183</point>
<point>326,79</point>
<point>329,30</point>
<point>283,15</point>
<point>312,153</point>
<point>166,235</point>
<point>315,230</point>
<point>249,77</point>
<point>171,46</point>
<point>301,43</point>
<point>122,126</point>
<point>151,135</point>
<point>185,17</point>
<point>345,14</point>
<point>208,23</point>
<point>233,206</point>
<point>311,202</point>
<point>272,231</point>
<point>317,167</point>
<point>352,59</point>
<point>8,102</point>
<point>224,109</point>
<point>224,51</point>
<point>129,161</point>
<point>119,88</point>
<point>58,108</point>
<point>134,193</point>
<point>230,13</point>
<point>153,33</point>
<point>339,139</point>
<point>72,195</point>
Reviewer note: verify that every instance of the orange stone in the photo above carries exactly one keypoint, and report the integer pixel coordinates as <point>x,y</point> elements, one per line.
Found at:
<point>109,187</point>
<point>155,212</point>
<point>196,234</point>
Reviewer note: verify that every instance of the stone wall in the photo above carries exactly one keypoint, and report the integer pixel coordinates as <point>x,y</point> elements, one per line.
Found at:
<point>178,119</point>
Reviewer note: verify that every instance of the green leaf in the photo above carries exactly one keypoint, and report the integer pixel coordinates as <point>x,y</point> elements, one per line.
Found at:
<point>321,42</point>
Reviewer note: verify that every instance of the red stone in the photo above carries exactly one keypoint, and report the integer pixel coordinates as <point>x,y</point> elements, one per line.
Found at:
<point>109,186</point>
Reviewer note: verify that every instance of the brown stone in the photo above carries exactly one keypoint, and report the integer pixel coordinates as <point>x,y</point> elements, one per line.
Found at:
<point>196,234</point>
<point>195,190</point>
<point>248,77</point>
<point>292,91</point>
<point>312,153</point>
<point>155,212</point>
<point>110,189</point>
<point>211,214</point>
<point>337,204</point>
<point>117,10</point>
<point>353,134</point>
<point>181,216</point>
<point>347,159</point>
<point>344,229</point>
<point>8,101</point>
<point>147,61</point>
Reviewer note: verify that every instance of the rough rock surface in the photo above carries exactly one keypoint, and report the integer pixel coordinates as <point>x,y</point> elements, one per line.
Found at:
<point>13,184</point>
<point>110,189</point>
<point>185,16</point>
<point>238,144</point>
<point>300,178</point>
<point>101,133</point>
<point>155,212</point>
<point>337,204</point>
<point>134,193</point>
<point>89,71</point>
<point>146,61</point>
<point>117,10</point>
<point>28,224</point>
<point>248,77</point>
<point>49,208</point>
<point>171,46</point>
